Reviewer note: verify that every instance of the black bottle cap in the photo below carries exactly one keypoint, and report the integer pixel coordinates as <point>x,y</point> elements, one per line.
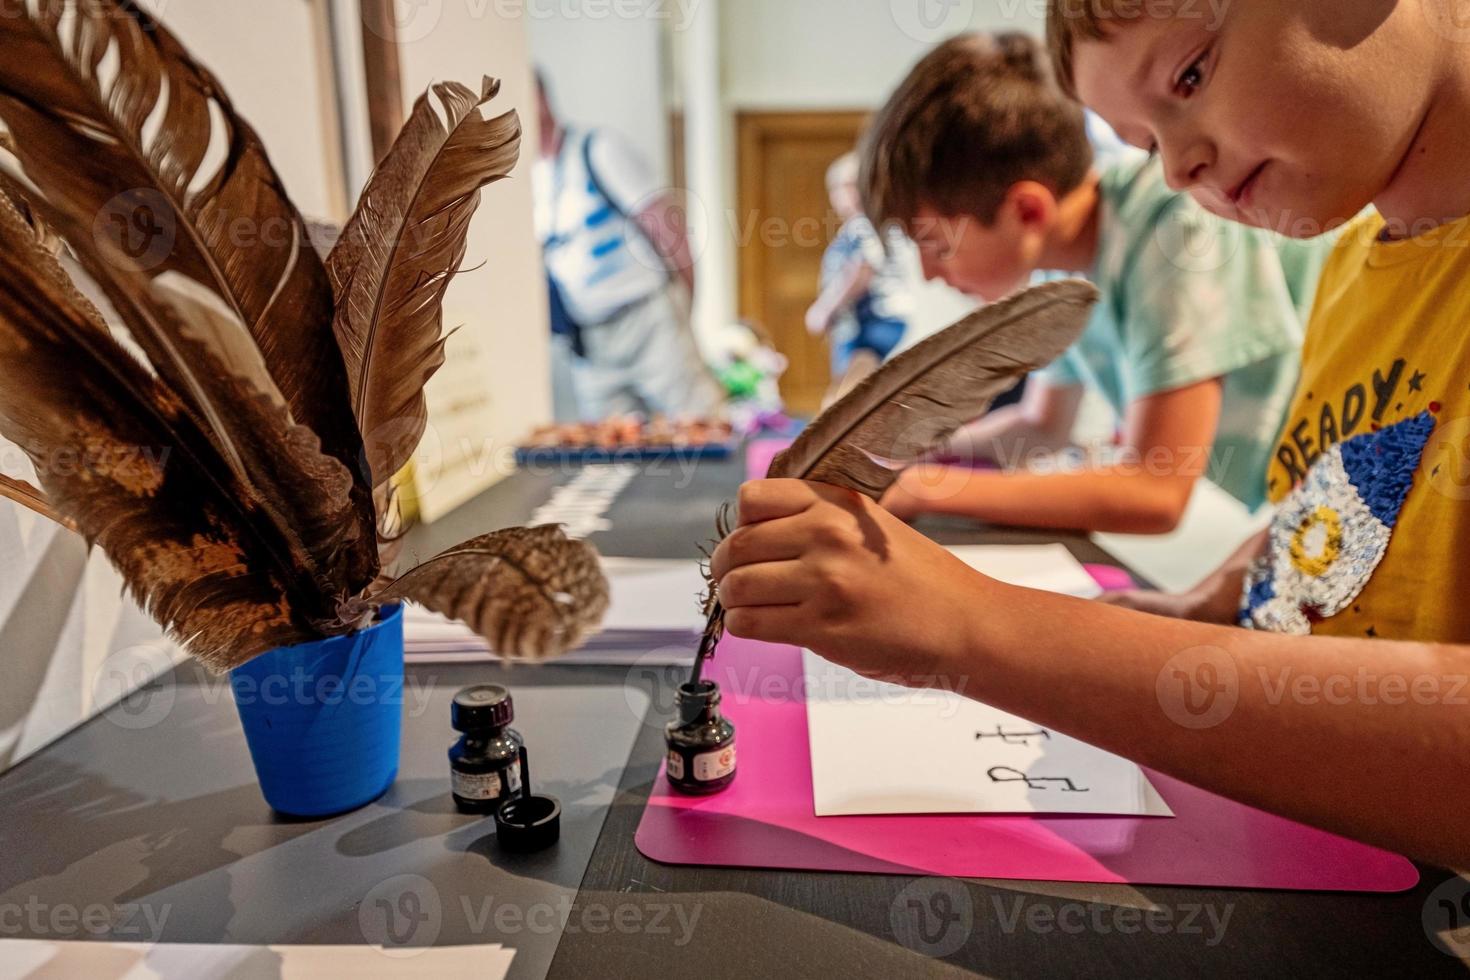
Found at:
<point>528,823</point>
<point>480,707</point>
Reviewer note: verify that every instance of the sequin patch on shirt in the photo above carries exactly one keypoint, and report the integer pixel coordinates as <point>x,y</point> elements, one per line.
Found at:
<point>1330,534</point>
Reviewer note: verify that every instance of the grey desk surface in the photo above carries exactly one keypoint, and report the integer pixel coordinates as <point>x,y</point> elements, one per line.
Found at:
<point>166,815</point>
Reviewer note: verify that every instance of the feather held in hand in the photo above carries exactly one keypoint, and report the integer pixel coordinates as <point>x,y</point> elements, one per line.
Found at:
<point>905,408</point>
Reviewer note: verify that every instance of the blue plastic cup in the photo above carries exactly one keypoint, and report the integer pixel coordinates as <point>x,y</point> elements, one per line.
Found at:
<point>324,719</point>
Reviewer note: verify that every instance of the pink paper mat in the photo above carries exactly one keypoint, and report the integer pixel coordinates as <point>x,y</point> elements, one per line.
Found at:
<point>765,819</point>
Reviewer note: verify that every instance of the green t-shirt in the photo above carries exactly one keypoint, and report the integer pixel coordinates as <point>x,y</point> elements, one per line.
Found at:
<point>1187,297</point>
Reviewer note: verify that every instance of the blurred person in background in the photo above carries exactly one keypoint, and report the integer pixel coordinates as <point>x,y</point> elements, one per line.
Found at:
<point>620,276</point>
<point>866,299</point>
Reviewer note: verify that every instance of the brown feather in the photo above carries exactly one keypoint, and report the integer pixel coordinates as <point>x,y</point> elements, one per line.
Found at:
<point>163,200</point>
<point>532,593</point>
<point>29,497</point>
<point>120,455</point>
<point>908,406</point>
<point>398,254</point>
<point>903,410</point>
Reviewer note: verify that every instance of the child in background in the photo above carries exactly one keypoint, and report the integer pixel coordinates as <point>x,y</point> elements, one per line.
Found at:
<point>986,163</point>
<point>1290,115</point>
<point>865,302</point>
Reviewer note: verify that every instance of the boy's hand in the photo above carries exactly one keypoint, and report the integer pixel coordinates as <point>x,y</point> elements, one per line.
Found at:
<point>828,569</point>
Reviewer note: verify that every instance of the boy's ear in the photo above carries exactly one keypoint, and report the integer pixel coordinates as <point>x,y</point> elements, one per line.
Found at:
<point>1030,204</point>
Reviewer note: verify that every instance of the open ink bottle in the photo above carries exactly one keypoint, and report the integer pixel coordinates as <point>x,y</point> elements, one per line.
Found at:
<point>701,741</point>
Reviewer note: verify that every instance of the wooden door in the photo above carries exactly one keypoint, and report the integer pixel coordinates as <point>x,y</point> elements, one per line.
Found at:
<point>784,222</point>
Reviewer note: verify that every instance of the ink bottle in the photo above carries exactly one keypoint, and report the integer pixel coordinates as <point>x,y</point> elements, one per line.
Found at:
<point>701,742</point>
<point>485,764</point>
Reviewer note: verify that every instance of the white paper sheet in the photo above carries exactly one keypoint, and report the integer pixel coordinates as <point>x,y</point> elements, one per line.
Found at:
<point>24,958</point>
<point>877,748</point>
<point>653,617</point>
<point>1049,567</point>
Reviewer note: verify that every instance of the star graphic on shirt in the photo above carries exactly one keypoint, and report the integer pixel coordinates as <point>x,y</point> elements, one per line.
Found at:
<point>1416,383</point>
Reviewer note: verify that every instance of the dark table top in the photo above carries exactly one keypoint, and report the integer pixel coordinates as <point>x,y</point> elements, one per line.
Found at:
<point>752,922</point>
<point>98,817</point>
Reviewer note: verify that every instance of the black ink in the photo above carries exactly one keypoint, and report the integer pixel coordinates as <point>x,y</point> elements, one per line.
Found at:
<point>1031,781</point>
<point>1013,738</point>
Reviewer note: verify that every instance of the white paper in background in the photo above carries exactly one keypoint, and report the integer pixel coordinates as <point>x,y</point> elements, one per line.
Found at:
<point>647,595</point>
<point>881,749</point>
<point>24,958</point>
<point>654,595</point>
<point>1049,567</point>
<point>653,616</point>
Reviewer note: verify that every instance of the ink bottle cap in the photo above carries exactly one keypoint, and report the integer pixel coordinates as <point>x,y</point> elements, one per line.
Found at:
<point>701,742</point>
<point>528,823</point>
<point>484,706</point>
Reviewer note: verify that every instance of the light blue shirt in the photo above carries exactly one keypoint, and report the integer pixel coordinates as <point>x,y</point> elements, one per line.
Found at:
<point>1187,297</point>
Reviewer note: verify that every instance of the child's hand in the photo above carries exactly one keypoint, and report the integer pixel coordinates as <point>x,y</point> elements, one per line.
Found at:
<point>818,319</point>
<point>829,569</point>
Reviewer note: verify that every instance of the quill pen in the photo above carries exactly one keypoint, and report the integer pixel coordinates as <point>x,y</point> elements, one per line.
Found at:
<point>908,406</point>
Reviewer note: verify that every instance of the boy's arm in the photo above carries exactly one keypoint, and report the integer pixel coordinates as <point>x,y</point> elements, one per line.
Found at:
<point>841,293</point>
<point>1169,436</point>
<point>1044,419</point>
<point>1217,599</point>
<point>1367,738</point>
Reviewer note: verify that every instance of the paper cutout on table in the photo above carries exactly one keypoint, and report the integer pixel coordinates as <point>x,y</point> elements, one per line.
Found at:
<point>881,749</point>
<point>1049,567</point>
<point>653,619</point>
<point>38,958</point>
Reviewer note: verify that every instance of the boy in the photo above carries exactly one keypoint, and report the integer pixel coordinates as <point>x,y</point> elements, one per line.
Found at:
<point>986,163</point>
<point>1293,114</point>
<point>864,304</point>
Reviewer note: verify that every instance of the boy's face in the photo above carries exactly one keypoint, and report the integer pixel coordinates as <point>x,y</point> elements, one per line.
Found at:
<point>988,262</point>
<point>1287,114</point>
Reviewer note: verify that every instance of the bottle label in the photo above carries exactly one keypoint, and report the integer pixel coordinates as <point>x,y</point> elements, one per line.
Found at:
<point>676,765</point>
<point>714,765</point>
<point>485,785</point>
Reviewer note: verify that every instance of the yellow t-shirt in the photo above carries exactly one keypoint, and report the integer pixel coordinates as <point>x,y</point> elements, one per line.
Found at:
<point>1371,474</point>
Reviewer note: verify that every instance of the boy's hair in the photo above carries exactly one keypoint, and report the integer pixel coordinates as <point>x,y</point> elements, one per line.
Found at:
<point>978,114</point>
<point>1071,21</point>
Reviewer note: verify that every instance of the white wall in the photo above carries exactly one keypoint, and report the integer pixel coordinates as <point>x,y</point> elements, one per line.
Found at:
<point>607,71</point>
<point>265,53</point>
<point>496,383</point>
